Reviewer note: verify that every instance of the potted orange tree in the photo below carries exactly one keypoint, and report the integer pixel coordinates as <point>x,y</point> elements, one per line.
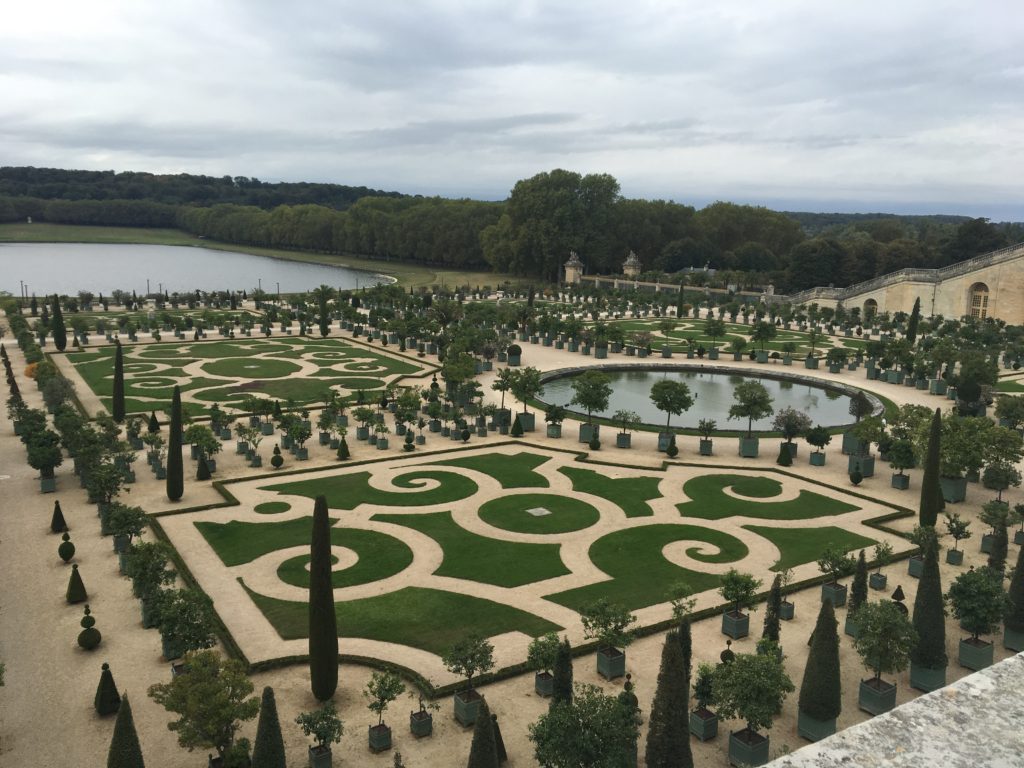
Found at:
<point>739,590</point>
<point>469,657</point>
<point>382,689</point>
<point>751,688</point>
<point>978,603</point>
<point>540,656</point>
<point>610,625</point>
<point>326,728</point>
<point>885,638</point>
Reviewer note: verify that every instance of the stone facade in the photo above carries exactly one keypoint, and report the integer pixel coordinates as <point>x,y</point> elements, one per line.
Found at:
<point>573,269</point>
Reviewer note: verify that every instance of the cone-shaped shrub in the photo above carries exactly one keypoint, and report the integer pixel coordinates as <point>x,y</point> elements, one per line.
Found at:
<point>57,523</point>
<point>59,330</point>
<point>66,550</point>
<point>268,752</point>
<point>117,402</point>
<point>125,751</point>
<point>785,457</point>
<point>76,588</point>
<point>1000,543</point>
<point>154,426</point>
<point>686,645</point>
<point>821,690</point>
<point>175,470</point>
<point>930,613</point>
<point>499,742</point>
<point>107,699</point>
<point>668,735</point>
<point>517,427</point>
<point>771,611</point>
<point>343,452</point>
<point>932,502</point>
<point>203,470</point>
<point>323,623</point>
<point>483,753</point>
<point>859,588</point>
<point>561,692</point>
<point>1014,620</point>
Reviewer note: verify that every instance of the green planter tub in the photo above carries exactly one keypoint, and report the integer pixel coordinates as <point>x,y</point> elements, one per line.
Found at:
<point>421,723</point>
<point>954,489</point>
<point>1013,639</point>
<point>704,724</point>
<point>379,738</point>
<point>611,663</point>
<point>787,610</point>
<point>748,447</point>
<point>467,707</point>
<point>915,566</point>
<point>544,684</point>
<point>976,654</point>
<point>955,556</point>
<point>735,624</point>
<point>876,696</point>
<point>706,447</point>
<point>926,679</point>
<point>834,593</point>
<point>747,748</point>
<point>818,459</point>
<point>878,581</point>
<point>813,729</point>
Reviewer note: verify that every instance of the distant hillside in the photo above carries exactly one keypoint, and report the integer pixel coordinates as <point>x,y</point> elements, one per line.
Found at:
<point>826,223</point>
<point>175,189</point>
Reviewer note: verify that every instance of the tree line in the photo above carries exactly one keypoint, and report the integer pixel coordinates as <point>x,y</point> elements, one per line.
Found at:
<point>554,213</point>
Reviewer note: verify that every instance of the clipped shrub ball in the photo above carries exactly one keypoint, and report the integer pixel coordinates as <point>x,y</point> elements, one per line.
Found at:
<point>673,450</point>
<point>107,700</point>
<point>856,477</point>
<point>76,589</point>
<point>57,523</point>
<point>66,550</point>
<point>785,459</point>
<point>595,444</point>
<point>89,637</point>
<point>465,435</point>
<point>277,460</point>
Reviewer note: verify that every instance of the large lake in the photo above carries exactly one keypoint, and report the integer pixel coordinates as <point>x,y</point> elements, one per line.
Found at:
<point>68,268</point>
<point>631,390</point>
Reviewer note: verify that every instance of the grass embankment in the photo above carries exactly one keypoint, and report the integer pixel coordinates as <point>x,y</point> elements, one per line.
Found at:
<point>407,274</point>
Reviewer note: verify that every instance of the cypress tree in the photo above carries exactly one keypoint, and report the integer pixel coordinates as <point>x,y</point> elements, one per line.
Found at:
<point>125,751</point>
<point>175,470</point>
<point>821,690</point>
<point>154,425</point>
<point>57,327</point>
<point>859,588</point>
<point>912,323</point>
<point>499,742</point>
<point>561,691</point>
<point>1014,619</point>
<point>1000,545</point>
<point>76,588</point>
<point>932,502</point>
<point>668,734</point>
<point>930,613</point>
<point>57,523</point>
<point>117,407</point>
<point>484,752</point>
<point>771,611</point>
<point>107,699</point>
<point>268,751</point>
<point>686,645</point>
<point>323,623</point>
<point>203,470</point>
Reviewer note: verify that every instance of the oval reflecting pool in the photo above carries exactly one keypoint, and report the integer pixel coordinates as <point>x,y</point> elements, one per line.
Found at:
<point>631,391</point>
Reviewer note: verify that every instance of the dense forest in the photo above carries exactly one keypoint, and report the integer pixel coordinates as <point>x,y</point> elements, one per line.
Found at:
<point>531,233</point>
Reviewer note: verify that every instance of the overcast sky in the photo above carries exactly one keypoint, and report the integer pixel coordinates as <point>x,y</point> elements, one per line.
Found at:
<point>901,105</point>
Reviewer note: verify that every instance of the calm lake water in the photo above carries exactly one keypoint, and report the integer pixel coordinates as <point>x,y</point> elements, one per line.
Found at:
<point>67,268</point>
<point>631,390</point>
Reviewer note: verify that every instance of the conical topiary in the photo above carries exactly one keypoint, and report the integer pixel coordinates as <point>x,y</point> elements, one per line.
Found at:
<point>859,587</point>
<point>772,607</point>
<point>483,753</point>
<point>821,690</point>
<point>932,502</point>
<point>57,523</point>
<point>203,470</point>
<point>268,751</point>
<point>323,622</point>
<point>76,588</point>
<point>66,550</point>
<point>343,452</point>
<point>785,457</point>
<point>668,735</point>
<point>125,751</point>
<point>89,637</point>
<point>175,470</point>
<point>1000,544</point>
<point>685,634</point>
<point>499,742</point>
<point>107,699</point>
<point>517,427</point>
<point>930,613</point>
<point>117,401</point>
<point>561,691</point>
<point>153,426</point>
<point>1014,620</point>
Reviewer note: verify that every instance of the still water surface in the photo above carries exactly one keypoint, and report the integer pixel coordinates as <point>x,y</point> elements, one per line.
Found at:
<point>67,268</point>
<point>631,390</point>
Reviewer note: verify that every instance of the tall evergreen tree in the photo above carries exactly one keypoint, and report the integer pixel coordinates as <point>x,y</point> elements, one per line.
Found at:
<point>483,753</point>
<point>1000,546</point>
<point>57,327</point>
<point>561,692</point>
<point>57,522</point>
<point>821,689</point>
<point>930,613</point>
<point>175,470</point>
<point>859,588</point>
<point>107,700</point>
<point>914,321</point>
<point>772,607</point>
<point>1014,620</point>
<point>668,734</point>
<point>499,742</point>
<point>117,406</point>
<point>125,751</point>
<point>323,623</point>
<point>685,635</point>
<point>268,751</point>
<point>932,502</point>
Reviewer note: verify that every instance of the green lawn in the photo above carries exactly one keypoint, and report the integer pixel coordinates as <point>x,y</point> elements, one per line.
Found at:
<point>473,557</point>
<point>709,502</point>
<point>567,514</point>
<point>348,491</point>
<point>251,368</point>
<point>272,507</point>
<point>380,556</point>
<point>804,545</point>
<point>511,470</point>
<point>428,619</point>
<point>640,574</point>
<point>630,493</point>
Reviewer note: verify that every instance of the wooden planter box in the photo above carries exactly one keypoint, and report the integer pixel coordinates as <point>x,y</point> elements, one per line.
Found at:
<point>379,738</point>
<point>554,430</point>
<point>876,696</point>
<point>813,729</point>
<point>623,440</point>
<point>925,679</point>
<point>421,723</point>
<point>735,625</point>
<point>834,593</point>
<point>467,707</point>
<point>878,581</point>
<point>704,724</point>
<point>588,432</point>
<point>976,654</point>
<point>850,626</point>
<point>748,447</point>
<point>747,748</point>
<point>915,566</point>
<point>866,465</point>
<point>818,459</point>
<point>1013,639</point>
<point>955,556</point>
<point>611,663</point>
<point>954,489</point>
<point>544,684</point>
<point>787,610</point>
<point>900,482</point>
<point>319,757</point>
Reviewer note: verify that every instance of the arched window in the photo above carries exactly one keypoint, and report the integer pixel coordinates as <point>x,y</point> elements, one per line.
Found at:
<point>978,300</point>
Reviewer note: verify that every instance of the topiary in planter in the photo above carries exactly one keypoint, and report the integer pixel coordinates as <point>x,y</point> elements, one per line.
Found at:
<point>277,460</point>
<point>107,700</point>
<point>66,550</point>
<point>89,637</point>
<point>76,589</point>
<point>57,524</point>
